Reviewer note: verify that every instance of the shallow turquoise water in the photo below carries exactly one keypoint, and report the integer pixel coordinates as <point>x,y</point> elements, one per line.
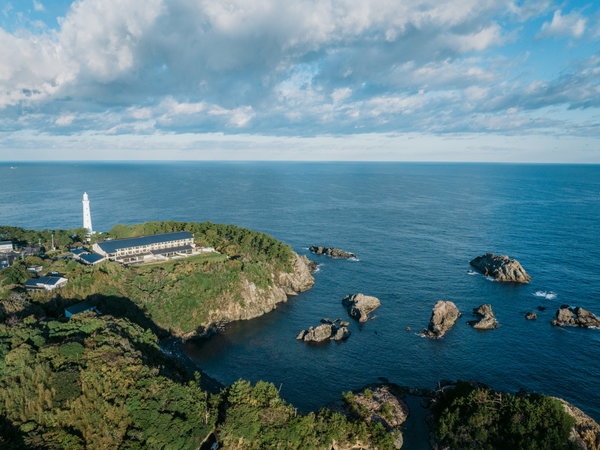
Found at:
<point>414,228</point>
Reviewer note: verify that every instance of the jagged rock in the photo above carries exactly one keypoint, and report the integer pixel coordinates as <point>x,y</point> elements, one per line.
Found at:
<point>501,268</point>
<point>318,334</point>
<point>408,328</point>
<point>531,315</point>
<point>324,332</point>
<point>578,316</point>
<point>488,318</point>
<point>326,320</point>
<point>343,323</point>
<point>360,306</point>
<point>340,334</point>
<point>300,336</point>
<point>443,317</point>
<point>542,308</point>
<point>331,251</point>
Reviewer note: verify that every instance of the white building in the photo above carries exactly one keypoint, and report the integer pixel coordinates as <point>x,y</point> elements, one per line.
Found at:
<point>147,248</point>
<point>45,283</point>
<point>87,214</point>
<point>6,246</point>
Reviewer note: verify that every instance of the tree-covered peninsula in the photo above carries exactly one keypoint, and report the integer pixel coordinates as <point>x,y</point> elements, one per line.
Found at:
<point>249,275</point>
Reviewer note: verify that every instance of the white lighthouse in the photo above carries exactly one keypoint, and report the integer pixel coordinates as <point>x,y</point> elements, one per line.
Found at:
<point>87,215</point>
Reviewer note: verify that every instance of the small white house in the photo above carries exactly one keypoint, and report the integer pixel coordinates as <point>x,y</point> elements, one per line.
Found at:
<point>45,283</point>
<point>6,246</point>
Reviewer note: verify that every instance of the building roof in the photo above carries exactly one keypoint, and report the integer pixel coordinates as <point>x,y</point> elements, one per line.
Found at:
<point>113,246</point>
<point>50,281</point>
<point>162,251</point>
<point>91,258</point>
<point>5,242</point>
<point>80,307</point>
<point>79,251</point>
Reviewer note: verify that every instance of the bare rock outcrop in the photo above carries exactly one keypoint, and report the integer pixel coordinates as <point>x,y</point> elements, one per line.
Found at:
<point>331,251</point>
<point>360,306</point>
<point>501,268</point>
<point>487,319</point>
<point>586,432</point>
<point>379,405</point>
<point>256,301</point>
<point>579,317</point>
<point>443,317</point>
<point>324,332</point>
<point>531,315</point>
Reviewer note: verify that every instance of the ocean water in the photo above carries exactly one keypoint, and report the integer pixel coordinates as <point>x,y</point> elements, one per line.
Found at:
<point>414,227</point>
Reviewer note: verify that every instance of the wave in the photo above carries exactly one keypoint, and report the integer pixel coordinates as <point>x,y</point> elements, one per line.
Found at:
<point>354,259</point>
<point>487,277</point>
<point>472,272</point>
<point>548,295</point>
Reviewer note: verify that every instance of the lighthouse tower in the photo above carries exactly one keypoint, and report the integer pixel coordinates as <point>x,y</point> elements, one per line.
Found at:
<point>87,215</point>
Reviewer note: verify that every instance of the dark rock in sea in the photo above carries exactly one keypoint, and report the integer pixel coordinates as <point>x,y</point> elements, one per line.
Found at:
<point>542,308</point>
<point>576,317</point>
<point>331,251</point>
<point>326,320</point>
<point>408,328</point>
<point>531,315</point>
<point>343,323</point>
<point>324,332</point>
<point>501,268</point>
<point>360,306</point>
<point>443,317</point>
<point>488,318</point>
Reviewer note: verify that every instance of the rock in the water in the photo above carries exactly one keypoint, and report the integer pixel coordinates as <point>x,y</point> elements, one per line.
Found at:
<point>501,268</point>
<point>343,323</point>
<point>318,334</point>
<point>340,334</point>
<point>488,318</point>
<point>443,317</point>
<point>326,320</point>
<point>531,315</point>
<point>360,306</point>
<point>542,308</point>
<point>324,332</point>
<point>578,316</point>
<point>331,251</point>
<point>300,336</point>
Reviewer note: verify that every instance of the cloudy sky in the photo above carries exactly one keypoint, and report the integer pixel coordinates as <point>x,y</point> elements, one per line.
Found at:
<point>430,80</point>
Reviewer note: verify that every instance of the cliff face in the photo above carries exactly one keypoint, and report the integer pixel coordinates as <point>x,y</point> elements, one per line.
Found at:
<point>255,301</point>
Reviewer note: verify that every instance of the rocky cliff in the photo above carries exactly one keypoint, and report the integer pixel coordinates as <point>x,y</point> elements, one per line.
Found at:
<point>255,301</point>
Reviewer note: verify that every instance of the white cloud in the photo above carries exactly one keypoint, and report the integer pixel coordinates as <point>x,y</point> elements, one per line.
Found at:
<point>38,6</point>
<point>568,25</point>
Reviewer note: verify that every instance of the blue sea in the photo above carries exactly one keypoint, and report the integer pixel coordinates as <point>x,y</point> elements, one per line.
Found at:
<point>414,228</point>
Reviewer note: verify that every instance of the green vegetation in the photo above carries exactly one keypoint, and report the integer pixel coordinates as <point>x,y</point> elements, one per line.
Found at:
<point>178,296</point>
<point>101,382</point>
<point>255,417</point>
<point>96,382</point>
<point>23,238</point>
<point>474,417</point>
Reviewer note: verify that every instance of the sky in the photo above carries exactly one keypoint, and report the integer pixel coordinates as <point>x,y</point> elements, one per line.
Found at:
<point>381,80</point>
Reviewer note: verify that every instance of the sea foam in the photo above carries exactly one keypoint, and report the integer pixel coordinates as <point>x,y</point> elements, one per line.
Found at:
<point>548,295</point>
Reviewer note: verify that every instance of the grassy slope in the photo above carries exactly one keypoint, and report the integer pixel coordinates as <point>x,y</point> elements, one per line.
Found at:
<point>176,295</point>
